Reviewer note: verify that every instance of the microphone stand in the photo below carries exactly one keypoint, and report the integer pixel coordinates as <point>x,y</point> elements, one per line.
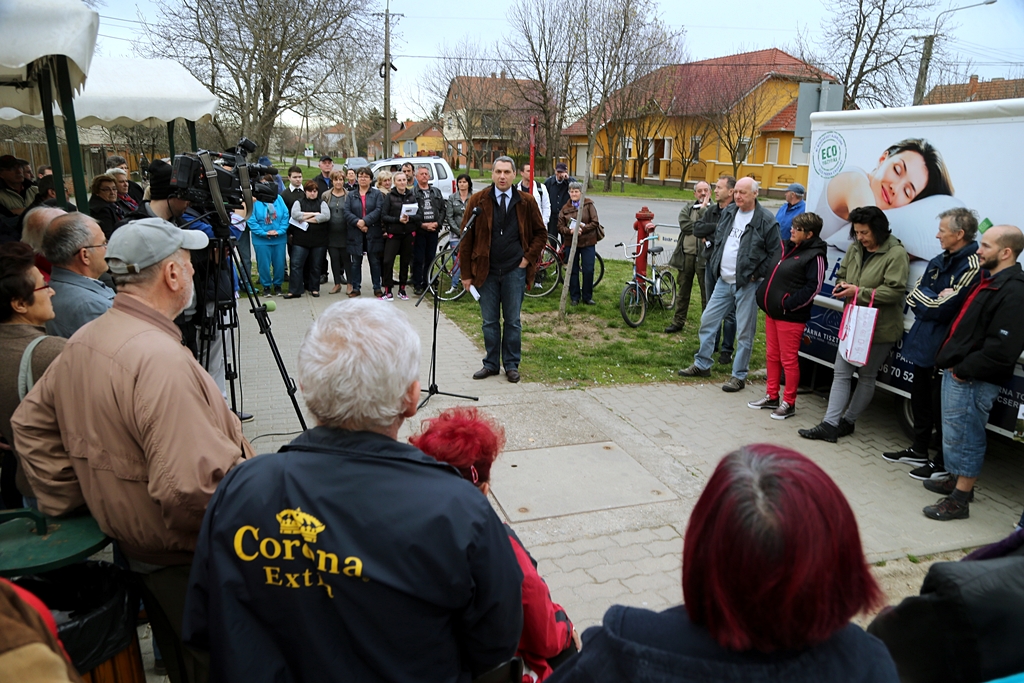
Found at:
<point>432,287</point>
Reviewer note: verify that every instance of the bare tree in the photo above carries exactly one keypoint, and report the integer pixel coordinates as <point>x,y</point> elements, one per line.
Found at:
<point>737,124</point>
<point>869,45</point>
<point>345,95</point>
<point>259,58</point>
<point>689,125</point>
<point>622,41</point>
<point>538,54</point>
<point>465,81</point>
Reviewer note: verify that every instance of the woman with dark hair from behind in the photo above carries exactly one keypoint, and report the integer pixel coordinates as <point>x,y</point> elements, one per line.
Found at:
<point>772,573</point>
<point>873,273</point>
<point>25,307</point>
<point>470,441</point>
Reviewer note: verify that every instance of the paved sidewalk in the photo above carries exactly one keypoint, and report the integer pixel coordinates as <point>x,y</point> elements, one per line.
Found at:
<point>599,483</point>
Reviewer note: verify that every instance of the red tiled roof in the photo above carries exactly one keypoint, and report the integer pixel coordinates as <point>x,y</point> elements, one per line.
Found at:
<point>716,85</point>
<point>976,91</point>
<point>396,127</point>
<point>784,120</point>
<point>414,130</point>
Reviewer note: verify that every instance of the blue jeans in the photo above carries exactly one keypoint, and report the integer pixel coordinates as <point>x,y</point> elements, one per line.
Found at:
<point>965,409</point>
<point>725,298</point>
<point>355,273</point>
<point>728,324</point>
<point>585,256</point>
<point>502,295</point>
<point>270,262</point>
<point>300,256</point>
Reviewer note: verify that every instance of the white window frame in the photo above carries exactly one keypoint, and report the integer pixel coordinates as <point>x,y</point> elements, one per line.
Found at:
<point>797,155</point>
<point>768,145</point>
<point>696,147</point>
<point>746,151</point>
<point>667,154</point>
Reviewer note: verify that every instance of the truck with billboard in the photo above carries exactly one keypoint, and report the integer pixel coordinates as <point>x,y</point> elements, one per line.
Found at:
<point>964,154</point>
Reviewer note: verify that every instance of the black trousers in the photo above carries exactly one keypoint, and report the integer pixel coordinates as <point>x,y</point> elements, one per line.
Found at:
<point>339,264</point>
<point>423,251</point>
<point>926,404</point>
<point>400,246</point>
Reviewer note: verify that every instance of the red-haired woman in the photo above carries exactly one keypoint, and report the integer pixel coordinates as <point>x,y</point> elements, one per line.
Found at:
<point>469,441</point>
<point>772,572</point>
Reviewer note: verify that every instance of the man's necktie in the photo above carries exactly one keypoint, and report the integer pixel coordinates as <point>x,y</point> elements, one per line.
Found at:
<point>502,214</point>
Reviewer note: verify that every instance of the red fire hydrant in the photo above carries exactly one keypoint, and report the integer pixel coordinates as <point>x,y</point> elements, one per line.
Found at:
<point>644,226</point>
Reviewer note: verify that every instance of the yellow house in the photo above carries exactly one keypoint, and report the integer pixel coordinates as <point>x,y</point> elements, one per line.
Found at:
<point>688,122</point>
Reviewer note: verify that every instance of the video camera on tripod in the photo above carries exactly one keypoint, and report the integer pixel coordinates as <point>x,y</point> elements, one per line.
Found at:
<point>215,190</point>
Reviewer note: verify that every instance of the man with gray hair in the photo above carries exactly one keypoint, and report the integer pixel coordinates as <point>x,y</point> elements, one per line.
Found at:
<point>129,424</point>
<point>794,206</point>
<point>936,301</point>
<point>32,230</point>
<point>747,247</point>
<point>372,560</point>
<point>75,246</point>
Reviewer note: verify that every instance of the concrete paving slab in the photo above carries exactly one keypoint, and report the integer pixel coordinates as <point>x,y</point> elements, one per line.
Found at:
<point>532,484</point>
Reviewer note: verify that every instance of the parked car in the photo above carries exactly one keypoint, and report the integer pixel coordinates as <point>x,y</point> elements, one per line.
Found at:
<point>441,175</point>
<point>356,163</point>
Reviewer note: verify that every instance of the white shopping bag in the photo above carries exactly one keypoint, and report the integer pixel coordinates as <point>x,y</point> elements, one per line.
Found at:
<point>856,331</point>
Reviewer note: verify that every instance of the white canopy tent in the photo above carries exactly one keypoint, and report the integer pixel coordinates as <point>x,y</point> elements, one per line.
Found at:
<point>160,92</point>
<point>34,32</point>
<point>47,43</point>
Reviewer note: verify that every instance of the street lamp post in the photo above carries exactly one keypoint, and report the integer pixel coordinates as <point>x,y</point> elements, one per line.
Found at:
<point>926,53</point>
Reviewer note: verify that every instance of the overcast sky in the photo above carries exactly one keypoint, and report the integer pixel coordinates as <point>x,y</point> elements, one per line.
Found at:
<point>989,36</point>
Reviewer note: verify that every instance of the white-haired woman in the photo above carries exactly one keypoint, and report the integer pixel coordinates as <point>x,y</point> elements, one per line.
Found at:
<point>125,203</point>
<point>584,219</point>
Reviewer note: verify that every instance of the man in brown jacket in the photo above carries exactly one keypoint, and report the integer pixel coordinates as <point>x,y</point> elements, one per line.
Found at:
<point>127,422</point>
<point>499,259</point>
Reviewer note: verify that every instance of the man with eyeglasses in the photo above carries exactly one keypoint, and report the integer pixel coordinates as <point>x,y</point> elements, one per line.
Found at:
<point>74,244</point>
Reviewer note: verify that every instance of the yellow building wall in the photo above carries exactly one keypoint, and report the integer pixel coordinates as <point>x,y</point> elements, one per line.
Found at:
<point>777,94</point>
<point>426,143</point>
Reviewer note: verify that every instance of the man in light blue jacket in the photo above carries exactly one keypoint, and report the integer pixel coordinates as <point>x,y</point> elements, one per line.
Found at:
<point>74,244</point>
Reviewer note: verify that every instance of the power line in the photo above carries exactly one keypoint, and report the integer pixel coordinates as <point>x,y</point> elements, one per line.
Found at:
<point>129,21</point>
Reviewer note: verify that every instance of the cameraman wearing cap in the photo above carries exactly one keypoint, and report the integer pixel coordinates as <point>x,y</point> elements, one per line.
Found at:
<point>130,425</point>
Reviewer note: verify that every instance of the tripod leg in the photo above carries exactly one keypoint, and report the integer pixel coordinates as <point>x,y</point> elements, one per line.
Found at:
<point>259,312</point>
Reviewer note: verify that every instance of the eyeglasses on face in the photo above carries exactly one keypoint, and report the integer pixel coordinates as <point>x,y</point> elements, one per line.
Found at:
<point>96,246</point>
<point>39,289</point>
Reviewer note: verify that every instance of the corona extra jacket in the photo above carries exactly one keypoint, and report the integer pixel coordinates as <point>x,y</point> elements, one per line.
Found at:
<point>349,556</point>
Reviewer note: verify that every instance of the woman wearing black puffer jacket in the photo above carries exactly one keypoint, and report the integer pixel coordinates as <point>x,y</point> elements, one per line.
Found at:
<point>399,230</point>
<point>786,296</point>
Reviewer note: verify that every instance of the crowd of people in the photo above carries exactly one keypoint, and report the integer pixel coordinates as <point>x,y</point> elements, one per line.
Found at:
<point>351,553</point>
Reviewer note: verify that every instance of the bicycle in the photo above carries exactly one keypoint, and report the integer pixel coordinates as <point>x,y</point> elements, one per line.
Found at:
<point>448,283</point>
<point>552,265</point>
<point>641,292</point>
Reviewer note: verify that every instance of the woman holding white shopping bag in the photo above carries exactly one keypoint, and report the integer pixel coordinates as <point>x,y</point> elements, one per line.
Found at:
<point>873,274</point>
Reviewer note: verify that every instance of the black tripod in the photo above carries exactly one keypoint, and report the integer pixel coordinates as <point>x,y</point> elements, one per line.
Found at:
<point>224,255</point>
<point>432,389</point>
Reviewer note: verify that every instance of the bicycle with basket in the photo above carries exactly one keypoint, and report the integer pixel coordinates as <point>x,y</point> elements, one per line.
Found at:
<point>658,291</point>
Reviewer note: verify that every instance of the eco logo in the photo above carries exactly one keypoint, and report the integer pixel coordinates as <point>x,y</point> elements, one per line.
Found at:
<point>829,155</point>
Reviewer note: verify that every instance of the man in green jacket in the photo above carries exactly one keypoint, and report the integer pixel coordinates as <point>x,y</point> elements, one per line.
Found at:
<point>688,257</point>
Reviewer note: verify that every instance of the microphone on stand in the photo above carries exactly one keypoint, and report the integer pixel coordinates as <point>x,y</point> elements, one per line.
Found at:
<point>469,224</point>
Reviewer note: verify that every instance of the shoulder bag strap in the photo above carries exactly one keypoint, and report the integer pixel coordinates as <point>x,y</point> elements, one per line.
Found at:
<point>25,379</point>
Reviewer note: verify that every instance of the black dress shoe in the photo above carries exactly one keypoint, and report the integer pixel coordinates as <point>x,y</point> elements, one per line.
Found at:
<point>673,328</point>
<point>512,375</point>
<point>291,295</point>
<point>589,302</point>
<point>822,431</point>
<point>846,427</point>
<point>484,373</point>
<point>244,417</point>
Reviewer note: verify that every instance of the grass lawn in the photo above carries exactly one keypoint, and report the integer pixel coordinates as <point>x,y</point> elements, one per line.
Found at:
<point>594,346</point>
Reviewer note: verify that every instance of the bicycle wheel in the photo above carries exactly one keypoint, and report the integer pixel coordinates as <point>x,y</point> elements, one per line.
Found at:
<point>449,286</point>
<point>633,305</point>
<point>598,269</point>
<point>666,296</point>
<point>549,272</point>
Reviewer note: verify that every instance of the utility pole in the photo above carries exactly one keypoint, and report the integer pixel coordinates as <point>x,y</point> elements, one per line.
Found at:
<point>926,53</point>
<point>385,72</point>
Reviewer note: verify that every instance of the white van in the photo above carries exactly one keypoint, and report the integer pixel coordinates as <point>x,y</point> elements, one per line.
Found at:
<point>441,175</point>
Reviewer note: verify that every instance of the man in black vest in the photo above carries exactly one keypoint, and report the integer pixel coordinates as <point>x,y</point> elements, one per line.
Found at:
<point>499,259</point>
